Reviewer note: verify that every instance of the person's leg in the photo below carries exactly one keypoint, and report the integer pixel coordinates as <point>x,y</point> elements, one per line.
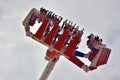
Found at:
<point>78,53</point>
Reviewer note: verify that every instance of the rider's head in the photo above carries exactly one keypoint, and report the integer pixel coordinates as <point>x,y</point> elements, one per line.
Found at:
<point>91,37</point>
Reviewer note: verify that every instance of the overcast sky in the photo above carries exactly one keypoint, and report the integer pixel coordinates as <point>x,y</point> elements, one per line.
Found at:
<point>22,58</point>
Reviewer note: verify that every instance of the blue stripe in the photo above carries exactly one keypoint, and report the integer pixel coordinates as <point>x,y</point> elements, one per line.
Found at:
<point>78,53</point>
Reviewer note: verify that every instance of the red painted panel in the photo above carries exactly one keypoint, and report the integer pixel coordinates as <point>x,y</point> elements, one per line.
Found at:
<point>104,55</point>
<point>108,54</point>
<point>76,61</point>
<point>42,28</point>
<point>49,38</point>
<point>59,44</point>
<point>72,45</point>
<point>51,54</point>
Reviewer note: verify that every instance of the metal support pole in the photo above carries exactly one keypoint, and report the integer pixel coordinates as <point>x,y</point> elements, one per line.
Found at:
<point>49,68</point>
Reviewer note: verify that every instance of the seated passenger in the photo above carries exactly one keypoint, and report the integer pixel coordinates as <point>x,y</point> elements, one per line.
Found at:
<point>42,14</point>
<point>92,43</point>
<point>32,20</point>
